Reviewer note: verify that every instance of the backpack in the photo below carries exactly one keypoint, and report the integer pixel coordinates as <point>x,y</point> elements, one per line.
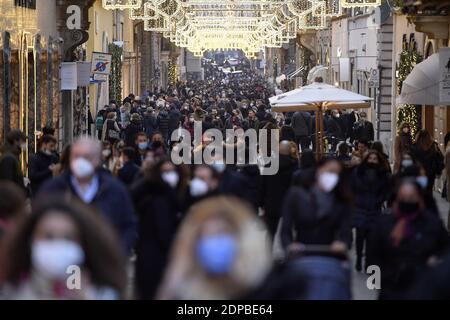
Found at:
<point>99,122</point>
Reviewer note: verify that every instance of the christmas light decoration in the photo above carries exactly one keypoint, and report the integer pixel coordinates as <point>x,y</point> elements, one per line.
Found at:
<point>249,25</point>
<point>409,113</point>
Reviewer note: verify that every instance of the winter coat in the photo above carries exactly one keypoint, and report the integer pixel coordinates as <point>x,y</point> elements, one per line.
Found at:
<point>300,123</point>
<point>401,265</point>
<point>370,189</point>
<point>112,200</point>
<point>149,124</point>
<point>38,169</point>
<point>10,166</point>
<point>317,217</point>
<point>157,208</point>
<point>273,188</point>
<point>163,123</point>
<point>128,172</point>
<point>131,131</point>
<point>363,131</point>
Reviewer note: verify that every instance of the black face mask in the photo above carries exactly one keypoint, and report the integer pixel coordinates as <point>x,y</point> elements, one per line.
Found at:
<point>408,207</point>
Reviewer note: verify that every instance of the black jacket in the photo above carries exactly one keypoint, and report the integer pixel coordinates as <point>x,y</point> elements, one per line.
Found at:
<point>363,131</point>
<point>128,172</point>
<point>131,131</point>
<point>335,128</point>
<point>300,123</point>
<point>38,169</point>
<point>273,188</point>
<point>370,189</point>
<point>401,265</point>
<point>112,200</point>
<point>317,218</point>
<point>163,123</point>
<point>149,124</point>
<point>10,166</point>
<point>157,208</point>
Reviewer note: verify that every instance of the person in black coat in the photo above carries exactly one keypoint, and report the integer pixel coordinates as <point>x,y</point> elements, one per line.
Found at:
<point>403,243</point>
<point>149,122</point>
<point>370,186</point>
<point>41,164</point>
<point>157,206</point>
<point>301,125</point>
<point>162,122</point>
<point>363,129</point>
<point>335,129</point>
<point>91,184</point>
<point>133,129</point>
<point>304,176</point>
<point>287,132</point>
<point>174,119</point>
<point>129,170</point>
<point>9,161</point>
<point>320,215</point>
<point>273,188</point>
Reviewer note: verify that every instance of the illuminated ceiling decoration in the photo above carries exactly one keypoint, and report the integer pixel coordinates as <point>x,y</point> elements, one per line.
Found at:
<point>249,25</point>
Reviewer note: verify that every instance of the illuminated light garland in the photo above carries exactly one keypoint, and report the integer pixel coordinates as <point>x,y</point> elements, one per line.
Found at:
<point>121,4</point>
<point>249,25</point>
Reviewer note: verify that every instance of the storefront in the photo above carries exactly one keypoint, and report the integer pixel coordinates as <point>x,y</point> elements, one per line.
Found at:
<point>29,74</point>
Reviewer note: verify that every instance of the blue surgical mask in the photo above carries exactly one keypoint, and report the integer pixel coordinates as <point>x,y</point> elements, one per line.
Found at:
<point>143,145</point>
<point>219,166</point>
<point>217,253</point>
<point>422,181</point>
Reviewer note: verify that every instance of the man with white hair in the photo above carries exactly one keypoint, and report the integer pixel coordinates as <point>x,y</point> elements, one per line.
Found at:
<point>86,181</point>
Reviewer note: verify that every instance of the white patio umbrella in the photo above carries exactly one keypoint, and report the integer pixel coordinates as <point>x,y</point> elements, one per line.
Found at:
<point>318,97</point>
<point>421,86</point>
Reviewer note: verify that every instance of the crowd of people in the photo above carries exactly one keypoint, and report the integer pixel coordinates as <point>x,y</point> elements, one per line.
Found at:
<point>206,231</point>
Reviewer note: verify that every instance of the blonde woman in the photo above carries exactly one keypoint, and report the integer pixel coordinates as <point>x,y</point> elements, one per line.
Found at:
<point>220,252</point>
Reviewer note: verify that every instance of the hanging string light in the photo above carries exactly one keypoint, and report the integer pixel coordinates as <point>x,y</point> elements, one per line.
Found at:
<point>249,25</point>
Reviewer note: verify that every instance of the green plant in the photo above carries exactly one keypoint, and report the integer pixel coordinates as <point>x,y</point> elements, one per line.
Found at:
<point>115,78</point>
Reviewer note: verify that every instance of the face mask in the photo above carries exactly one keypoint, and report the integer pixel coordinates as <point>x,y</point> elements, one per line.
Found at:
<point>337,115</point>
<point>198,187</point>
<point>47,152</point>
<point>81,168</point>
<point>405,130</point>
<point>219,166</point>
<point>23,146</point>
<point>106,153</point>
<point>422,181</point>
<point>408,207</point>
<point>142,145</point>
<point>328,181</point>
<point>51,258</point>
<point>217,253</point>
<point>171,178</point>
<point>407,163</point>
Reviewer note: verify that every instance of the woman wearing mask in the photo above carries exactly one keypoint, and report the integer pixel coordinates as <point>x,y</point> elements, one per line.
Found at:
<point>370,185</point>
<point>156,202</point>
<point>321,212</point>
<point>405,243</point>
<point>427,153</point>
<point>402,144</point>
<point>111,131</point>
<point>108,159</point>
<point>58,240</point>
<point>219,253</point>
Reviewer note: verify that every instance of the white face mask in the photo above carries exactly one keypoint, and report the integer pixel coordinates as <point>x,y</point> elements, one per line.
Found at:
<point>198,187</point>
<point>51,258</point>
<point>23,146</point>
<point>81,168</point>
<point>47,152</point>
<point>106,153</point>
<point>171,178</point>
<point>407,163</point>
<point>328,180</point>
<point>219,166</point>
